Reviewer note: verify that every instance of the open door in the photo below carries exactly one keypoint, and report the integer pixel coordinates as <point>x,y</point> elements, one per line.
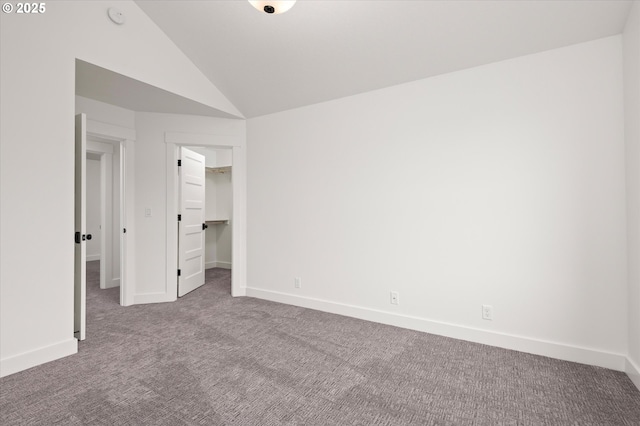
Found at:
<point>80,275</point>
<point>191,224</point>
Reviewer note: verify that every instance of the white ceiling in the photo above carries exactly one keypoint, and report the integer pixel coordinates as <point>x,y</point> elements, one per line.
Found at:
<point>327,49</point>
<point>110,87</point>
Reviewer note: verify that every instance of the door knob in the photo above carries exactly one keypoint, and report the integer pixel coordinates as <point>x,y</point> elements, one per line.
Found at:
<point>204,226</point>
<point>81,237</point>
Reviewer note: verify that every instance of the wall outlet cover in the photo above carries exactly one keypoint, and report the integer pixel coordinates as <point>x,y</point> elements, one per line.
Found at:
<point>487,312</point>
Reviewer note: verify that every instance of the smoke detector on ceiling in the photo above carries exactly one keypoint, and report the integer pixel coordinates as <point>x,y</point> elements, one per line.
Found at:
<point>273,7</point>
<point>116,16</point>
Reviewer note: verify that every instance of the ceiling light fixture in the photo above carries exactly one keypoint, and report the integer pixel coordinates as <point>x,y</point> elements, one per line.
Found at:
<point>273,7</point>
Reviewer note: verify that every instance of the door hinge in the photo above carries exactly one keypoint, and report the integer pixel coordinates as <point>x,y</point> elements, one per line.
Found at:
<point>179,217</point>
<point>179,163</point>
<point>179,272</point>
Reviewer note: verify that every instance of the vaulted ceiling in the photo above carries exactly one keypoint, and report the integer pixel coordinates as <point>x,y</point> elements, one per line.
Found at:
<point>327,49</point>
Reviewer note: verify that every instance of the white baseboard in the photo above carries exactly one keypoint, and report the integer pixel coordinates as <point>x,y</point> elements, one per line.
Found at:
<point>92,257</point>
<point>519,343</point>
<point>633,371</point>
<point>114,283</point>
<point>38,356</point>
<point>216,264</point>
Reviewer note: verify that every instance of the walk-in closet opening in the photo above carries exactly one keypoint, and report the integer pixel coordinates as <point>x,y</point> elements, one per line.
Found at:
<point>198,252</point>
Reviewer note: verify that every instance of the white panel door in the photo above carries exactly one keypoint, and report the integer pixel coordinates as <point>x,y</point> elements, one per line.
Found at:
<point>191,227</point>
<point>80,275</point>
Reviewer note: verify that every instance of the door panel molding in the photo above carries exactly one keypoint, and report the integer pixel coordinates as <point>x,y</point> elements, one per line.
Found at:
<point>191,227</point>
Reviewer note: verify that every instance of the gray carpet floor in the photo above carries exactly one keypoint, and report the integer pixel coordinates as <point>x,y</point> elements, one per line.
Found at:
<point>209,359</point>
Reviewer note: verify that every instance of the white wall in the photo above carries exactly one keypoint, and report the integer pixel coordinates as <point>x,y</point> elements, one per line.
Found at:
<point>211,252</point>
<point>218,205</point>
<point>502,185</point>
<point>224,157</point>
<point>37,64</point>
<point>93,209</point>
<point>106,113</point>
<point>151,192</point>
<point>224,210</point>
<point>631,43</point>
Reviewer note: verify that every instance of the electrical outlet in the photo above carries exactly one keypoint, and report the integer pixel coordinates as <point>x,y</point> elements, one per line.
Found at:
<point>297,282</point>
<point>394,298</point>
<point>147,212</point>
<point>487,312</point>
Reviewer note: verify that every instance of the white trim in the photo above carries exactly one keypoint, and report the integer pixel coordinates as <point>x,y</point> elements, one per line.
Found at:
<point>633,371</point>
<point>519,343</point>
<point>39,356</point>
<point>171,284</point>
<point>127,221</point>
<point>109,131</point>
<point>103,219</point>
<point>217,264</point>
<point>98,147</point>
<point>93,257</point>
<point>198,139</point>
<point>239,222</point>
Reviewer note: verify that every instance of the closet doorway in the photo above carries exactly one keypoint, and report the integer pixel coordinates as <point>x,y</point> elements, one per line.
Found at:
<point>228,223</point>
<point>205,212</point>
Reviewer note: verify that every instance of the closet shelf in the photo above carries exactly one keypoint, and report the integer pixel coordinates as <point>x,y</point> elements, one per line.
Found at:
<point>217,221</point>
<point>222,170</point>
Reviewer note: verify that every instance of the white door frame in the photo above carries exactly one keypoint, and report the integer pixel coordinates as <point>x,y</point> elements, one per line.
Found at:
<point>122,138</point>
<point>173,141</point>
